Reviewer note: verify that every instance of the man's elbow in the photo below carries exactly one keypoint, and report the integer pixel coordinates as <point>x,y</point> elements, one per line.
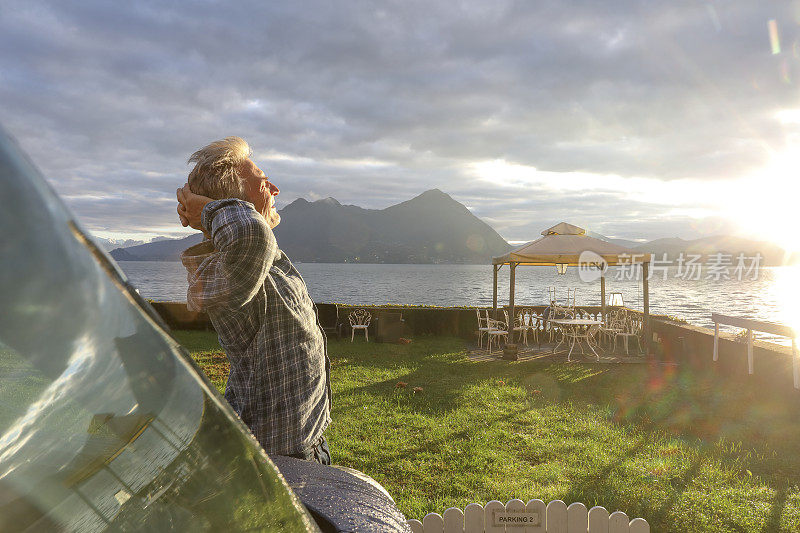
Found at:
<point>244,295</point>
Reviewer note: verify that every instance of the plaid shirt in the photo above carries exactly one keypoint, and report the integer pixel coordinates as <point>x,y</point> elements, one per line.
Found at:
<point>279,379</point>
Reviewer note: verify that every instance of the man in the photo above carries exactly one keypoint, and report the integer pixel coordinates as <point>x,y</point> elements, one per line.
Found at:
<point>279,380</point>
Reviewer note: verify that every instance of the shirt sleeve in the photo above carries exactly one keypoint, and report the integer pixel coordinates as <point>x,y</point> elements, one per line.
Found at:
<point>246,248</point>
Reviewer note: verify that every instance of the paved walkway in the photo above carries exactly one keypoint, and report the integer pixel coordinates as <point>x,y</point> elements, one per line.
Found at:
<point>545,354</point>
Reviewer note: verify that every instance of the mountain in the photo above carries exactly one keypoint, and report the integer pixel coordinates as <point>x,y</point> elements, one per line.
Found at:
<point>112,244</point>
<point>621,242</point>
<point>430,228</point>
<point>706,246</point>
<point>161,250</point>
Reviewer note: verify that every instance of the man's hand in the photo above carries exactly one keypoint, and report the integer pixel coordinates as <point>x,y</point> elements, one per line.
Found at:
<point>190,207</point>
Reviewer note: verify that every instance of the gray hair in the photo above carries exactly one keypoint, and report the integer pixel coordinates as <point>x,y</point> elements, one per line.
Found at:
<point>216,173</point>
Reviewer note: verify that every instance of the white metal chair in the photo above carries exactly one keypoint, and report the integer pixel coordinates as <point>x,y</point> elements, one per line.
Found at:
<point>571,299</point>
<point>551,295</point>
<point>558,311</point>
<point>515,328</point>
<point>527,321</point>
<point>630,329</point>
<point>359,319</point>
<point>483,326</point>
<point>496,330</point>
<point>522,323</point>
<point>614,323</point>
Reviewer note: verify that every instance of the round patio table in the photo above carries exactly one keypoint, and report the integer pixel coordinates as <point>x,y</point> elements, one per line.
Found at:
<point>575,324</point>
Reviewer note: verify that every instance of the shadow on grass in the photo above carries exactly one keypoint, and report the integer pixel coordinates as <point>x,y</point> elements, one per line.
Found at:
<point>735,421</point>
<point>773,523</point>
<point>682,402</point>
<point>446,375</point>
<point>434,446</point>
<point>744,423</point>
<point>679,485</point>
<point>439,366</point>
<point>587,488</point>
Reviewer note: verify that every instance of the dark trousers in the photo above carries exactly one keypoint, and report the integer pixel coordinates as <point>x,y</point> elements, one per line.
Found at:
<point>318,452</point>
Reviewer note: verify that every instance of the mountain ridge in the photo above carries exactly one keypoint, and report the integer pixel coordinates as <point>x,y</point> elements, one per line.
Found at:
<point>432,227</point>
<point>429,228</point>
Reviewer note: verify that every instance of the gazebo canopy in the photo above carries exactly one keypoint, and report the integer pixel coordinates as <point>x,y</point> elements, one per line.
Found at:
<point>564,244</point>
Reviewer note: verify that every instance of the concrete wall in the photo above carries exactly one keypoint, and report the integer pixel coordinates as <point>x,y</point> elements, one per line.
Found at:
<point>694,346</point>
<point>675,342</point>
<point>177,316</point>
<point>450,321</point>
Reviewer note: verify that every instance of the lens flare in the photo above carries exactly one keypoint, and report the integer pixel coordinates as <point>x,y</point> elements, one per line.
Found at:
<point>774,39</point>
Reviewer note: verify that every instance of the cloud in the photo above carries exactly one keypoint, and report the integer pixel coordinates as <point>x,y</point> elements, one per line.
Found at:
<point>372,104</point>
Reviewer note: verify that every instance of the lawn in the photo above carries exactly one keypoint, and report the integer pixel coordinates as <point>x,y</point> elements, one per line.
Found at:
<point>686,451</point>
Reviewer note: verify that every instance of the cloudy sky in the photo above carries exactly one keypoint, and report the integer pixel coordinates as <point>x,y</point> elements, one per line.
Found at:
<point>636,119</point>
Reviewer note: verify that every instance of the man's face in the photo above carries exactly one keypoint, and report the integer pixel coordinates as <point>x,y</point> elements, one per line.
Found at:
<point>260,192</point>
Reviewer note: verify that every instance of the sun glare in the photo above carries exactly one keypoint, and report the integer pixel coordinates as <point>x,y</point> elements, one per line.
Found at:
<point>786,291</point>
<point>762,206</point>
<point>765,205</point>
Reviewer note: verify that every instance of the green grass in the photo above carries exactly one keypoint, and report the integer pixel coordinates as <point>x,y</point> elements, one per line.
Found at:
<point>687,451</point>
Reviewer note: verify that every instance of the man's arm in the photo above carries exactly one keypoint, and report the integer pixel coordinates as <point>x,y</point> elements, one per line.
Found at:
<point>246,249</point>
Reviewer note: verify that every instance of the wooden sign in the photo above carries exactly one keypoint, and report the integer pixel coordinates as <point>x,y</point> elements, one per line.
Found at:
<point>516,518</point>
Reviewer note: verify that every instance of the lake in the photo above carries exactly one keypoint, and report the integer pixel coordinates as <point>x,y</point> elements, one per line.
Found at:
<point>774,296</point>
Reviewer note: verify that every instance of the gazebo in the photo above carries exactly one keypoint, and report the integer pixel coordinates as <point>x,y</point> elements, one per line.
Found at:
<point>566,245</point>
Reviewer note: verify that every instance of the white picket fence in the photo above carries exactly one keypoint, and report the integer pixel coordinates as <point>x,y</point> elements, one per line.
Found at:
<point>533,517</point>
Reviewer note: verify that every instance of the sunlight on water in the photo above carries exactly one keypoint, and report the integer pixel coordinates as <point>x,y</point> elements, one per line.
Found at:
<point>785,290</point>
<point>773,297</point>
